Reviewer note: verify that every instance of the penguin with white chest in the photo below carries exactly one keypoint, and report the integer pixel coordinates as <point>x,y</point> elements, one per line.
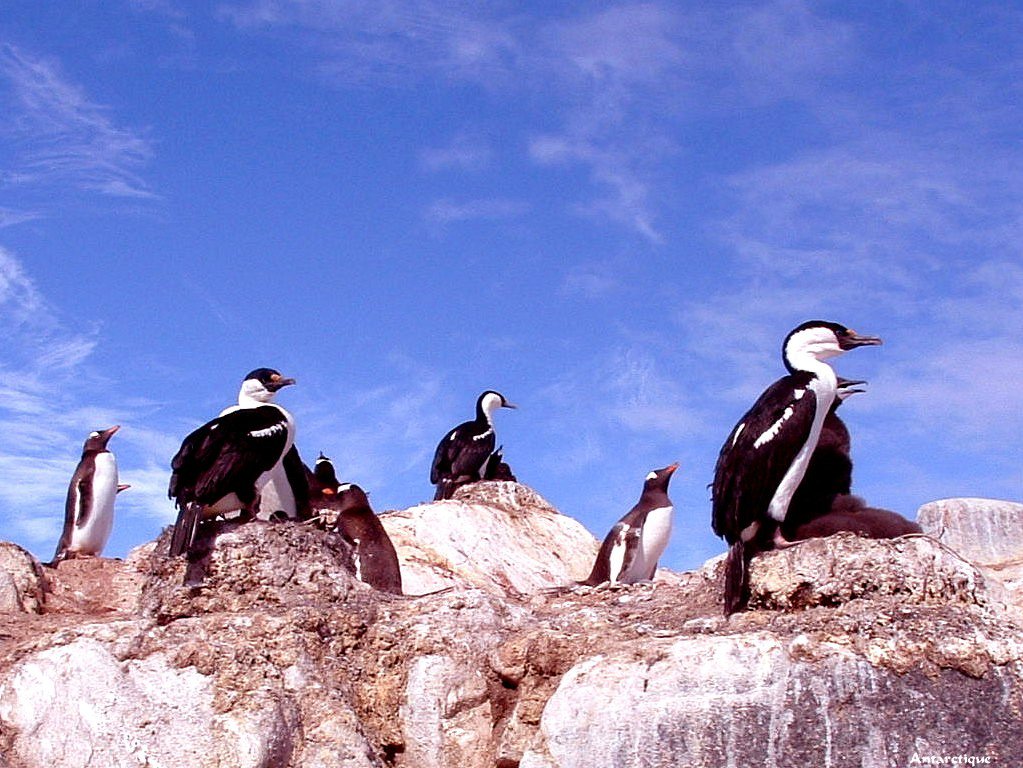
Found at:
<point>463,452</point>
<point>633,546</point>
<point>89,509</point>
<point>766,455</point>
<point>223,465</point>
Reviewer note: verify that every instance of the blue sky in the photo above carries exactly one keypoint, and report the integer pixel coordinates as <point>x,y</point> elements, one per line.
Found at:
<point>610,212</point>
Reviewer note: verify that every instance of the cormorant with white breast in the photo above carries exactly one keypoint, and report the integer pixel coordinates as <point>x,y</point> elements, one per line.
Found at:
<point>463,452</point>
<point>633,546</point>
<point>829,473</point>
<point>766,454</point>
<point>286,494</point>
<point>823,504</point>
<point>89,509</point>
<point>222,466</point>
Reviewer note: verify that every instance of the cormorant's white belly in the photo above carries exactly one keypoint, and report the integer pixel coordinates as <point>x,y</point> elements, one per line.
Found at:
<point>89,539</point>
<point>276,493</point>
<point>231,502</point>
<point>824,388</point>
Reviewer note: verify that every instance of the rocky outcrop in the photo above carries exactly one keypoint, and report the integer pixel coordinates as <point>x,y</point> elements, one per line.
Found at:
<point>22,581</point>
<point>268,652</point>
<point>501,537</point>
<point>765,700</point>
<point>987,532</point>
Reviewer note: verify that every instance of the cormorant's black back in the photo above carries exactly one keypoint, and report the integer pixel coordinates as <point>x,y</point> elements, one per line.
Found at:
<point>227,455</point>
<point>746,475</point>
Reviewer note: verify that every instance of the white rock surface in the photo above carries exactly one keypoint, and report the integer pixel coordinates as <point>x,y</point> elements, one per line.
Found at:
<point>855,652</point>
<point>514,543</point>
<point>77,706</point>
<point>752,701</point>
<point>22,582</point>
<point>987,532</point>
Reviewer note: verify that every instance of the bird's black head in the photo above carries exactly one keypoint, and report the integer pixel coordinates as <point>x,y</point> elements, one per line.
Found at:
<point>323,470</point>
<point>658,479</point>
<point>262,384</point>
<point>97,441</point>
<point>351,496</point>
<point>817,340</point>
<point>269,378</point>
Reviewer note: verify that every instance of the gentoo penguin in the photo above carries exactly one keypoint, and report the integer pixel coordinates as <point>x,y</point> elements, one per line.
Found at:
<point>464,450</point>
<point>222,466</point>
<point>850,513</point>
<point>376,561</point>
<point>323,484</point>
<point>89,510</point>
<point>829,473</point>
<point>633,546</point>
<point>766,454</point>
<point>322,479</point>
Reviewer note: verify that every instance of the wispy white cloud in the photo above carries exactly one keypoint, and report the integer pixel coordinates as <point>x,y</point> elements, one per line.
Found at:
<point>463,153</point>
<point>64,137</point>
<point>590,281</point>
<point>449,211</point>
<point>166,8</point>
<point>612,169</point>
<point>389,41</point>
<point>48,405</point>
<point>618,82</point>
<point>646,398</point>
<point>784,49</point>
<point>381,437</point>
<point>629,387</point>
<point>9,217</point>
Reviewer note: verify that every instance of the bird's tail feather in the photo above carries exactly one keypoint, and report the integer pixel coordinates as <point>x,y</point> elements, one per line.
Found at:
<point>737,577</point>
<point>184,529</point>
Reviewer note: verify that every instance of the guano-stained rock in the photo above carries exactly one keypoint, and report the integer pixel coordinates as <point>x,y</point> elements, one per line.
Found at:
<point>834,570</point>
<point>987,532</point>
<point>22,581</point>
<point>268,652</point>
<point>78,706</point>
<point>499,536</point>
<point>746,701</point>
